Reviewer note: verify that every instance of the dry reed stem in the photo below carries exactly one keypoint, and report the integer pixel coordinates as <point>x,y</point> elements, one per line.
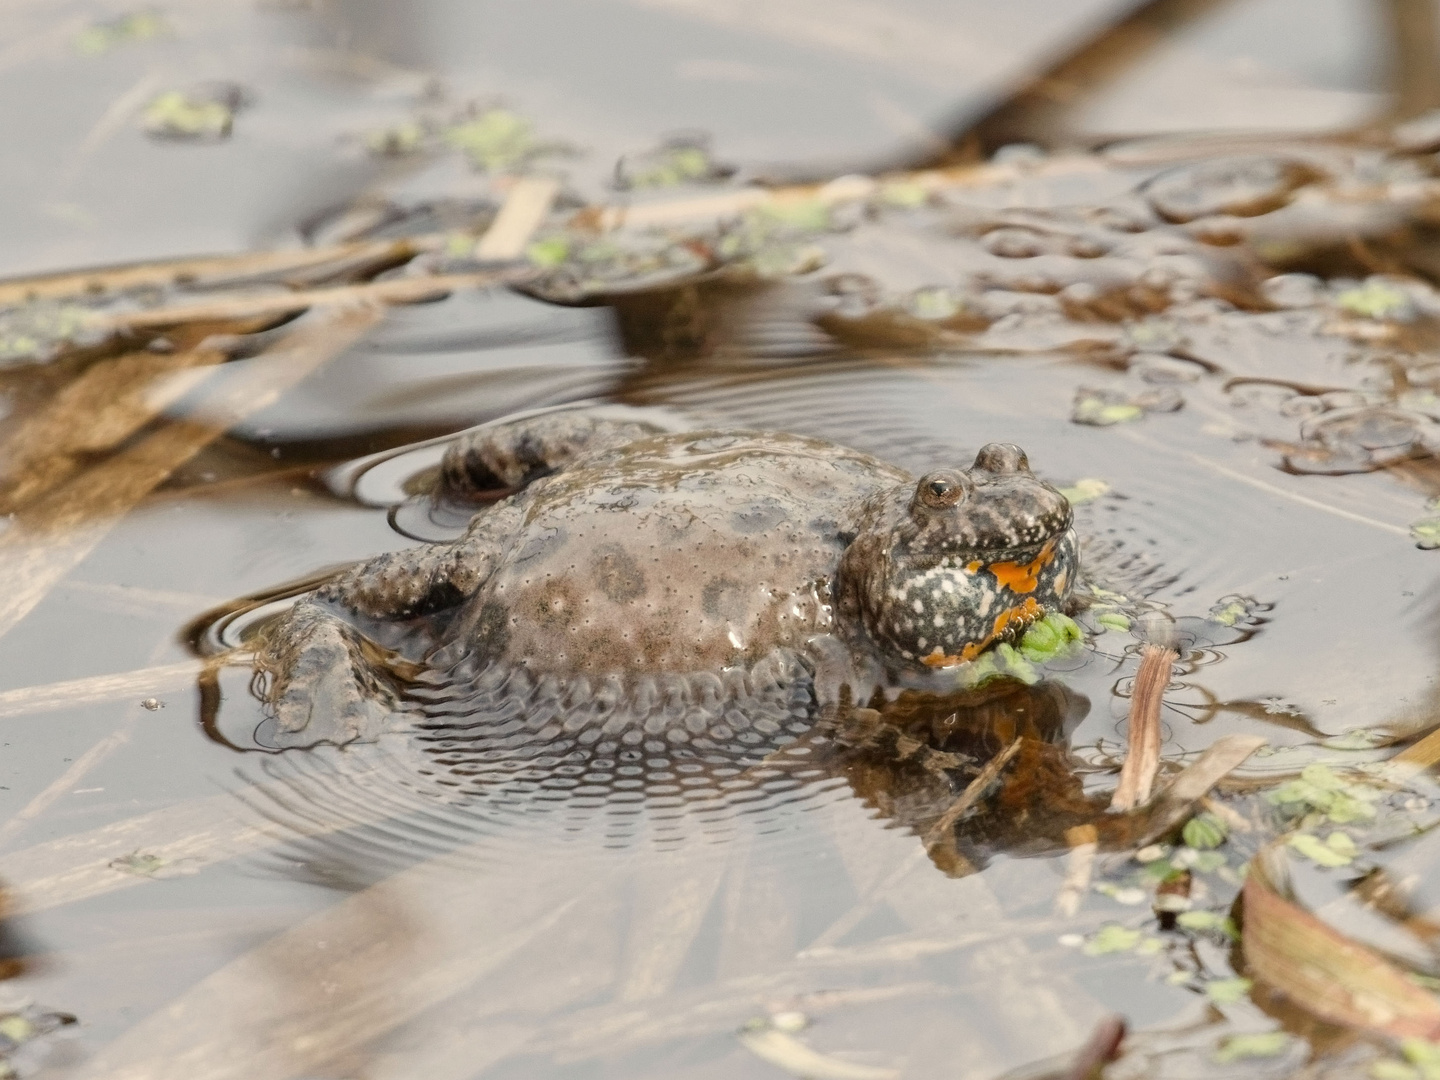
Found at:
<point>408,290</point>
<point>209,271</point>
<point>1084,842</point>
<point>526,207</point>
<point>1142,757</point>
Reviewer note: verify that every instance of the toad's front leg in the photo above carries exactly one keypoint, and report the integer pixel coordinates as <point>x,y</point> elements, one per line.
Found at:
<point>330,664</point>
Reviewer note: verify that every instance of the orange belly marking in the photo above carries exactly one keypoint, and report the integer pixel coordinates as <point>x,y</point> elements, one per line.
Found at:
<point>1023,579</point>
<point>1024,613</point>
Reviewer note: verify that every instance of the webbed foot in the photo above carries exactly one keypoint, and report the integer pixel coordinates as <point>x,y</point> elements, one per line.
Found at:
<point>322,687</point>
<point>514,453</point>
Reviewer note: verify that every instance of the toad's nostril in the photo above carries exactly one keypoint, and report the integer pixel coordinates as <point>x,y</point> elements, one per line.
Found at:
<point>1002,457</point>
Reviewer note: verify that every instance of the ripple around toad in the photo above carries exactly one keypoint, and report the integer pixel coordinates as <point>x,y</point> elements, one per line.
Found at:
<point>483,781</point>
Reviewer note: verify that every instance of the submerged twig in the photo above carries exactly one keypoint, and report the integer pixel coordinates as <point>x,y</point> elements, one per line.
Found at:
<point>407,290</point>
<point>786,1052</point>
<point>215,270</point>
<point>1142,758</point>
<point>972,794</point>
<point>1084,841</point>
<point>1099,1050</point>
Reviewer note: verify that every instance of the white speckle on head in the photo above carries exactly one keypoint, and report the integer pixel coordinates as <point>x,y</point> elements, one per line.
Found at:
<point>918,607</point>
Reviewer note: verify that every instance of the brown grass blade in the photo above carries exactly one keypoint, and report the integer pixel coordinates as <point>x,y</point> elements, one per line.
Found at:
<point>1321,970</point>
<point>54,534</point>
<point>1142,757</point>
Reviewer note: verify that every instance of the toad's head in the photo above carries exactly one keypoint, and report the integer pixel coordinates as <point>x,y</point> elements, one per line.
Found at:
<point>940,570</point>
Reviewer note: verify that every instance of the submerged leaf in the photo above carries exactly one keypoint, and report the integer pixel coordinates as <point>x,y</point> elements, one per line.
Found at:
<point>904,195</point>
<point>1111,939</point>
<point>1204,831</point>
<point>1426,533</point>
<point>1207,922</point>
<point>1055,635</point>
<point>1375,299</point>
<point>1320,788</point>
<point>1335,978</point>
<point>1098,409</point>
<point>1015,665</point>
<point>178,115</point>
<point>494,140</point>
<point>397,141</point>
<point>549,251</point>
<point>101,37</point>
<point>1424,1057</point>
<point>1260,1045</point>
<point>1227,991</point>
<point>1086,489</point>
<point>1336,850</point>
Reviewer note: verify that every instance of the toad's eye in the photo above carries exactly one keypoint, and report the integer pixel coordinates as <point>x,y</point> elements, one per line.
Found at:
<point>941,489</point>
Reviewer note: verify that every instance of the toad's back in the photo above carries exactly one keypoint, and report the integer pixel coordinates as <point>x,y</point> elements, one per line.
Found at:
<point>675,553</point>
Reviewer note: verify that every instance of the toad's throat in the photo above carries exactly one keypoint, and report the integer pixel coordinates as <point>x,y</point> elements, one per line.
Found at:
<point>1021,615</point>
<point>1024,577</point>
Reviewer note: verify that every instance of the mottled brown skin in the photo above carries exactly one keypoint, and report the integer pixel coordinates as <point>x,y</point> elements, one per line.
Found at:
<point>636,553</point>
<point>673,554</point>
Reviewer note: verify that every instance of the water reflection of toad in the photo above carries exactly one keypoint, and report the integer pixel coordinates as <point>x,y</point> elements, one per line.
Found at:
<point>974,772</point>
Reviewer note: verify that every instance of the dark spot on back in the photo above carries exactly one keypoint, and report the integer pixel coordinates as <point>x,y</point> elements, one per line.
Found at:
<point>617,574</point>
<point>762,514</point>
<point>724,599</point>
<point>492,628</point>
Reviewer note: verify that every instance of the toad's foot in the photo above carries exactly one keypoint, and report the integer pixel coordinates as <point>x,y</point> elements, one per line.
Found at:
<point>517,452</point>
<point>323,687</point>
<point>331,682</point>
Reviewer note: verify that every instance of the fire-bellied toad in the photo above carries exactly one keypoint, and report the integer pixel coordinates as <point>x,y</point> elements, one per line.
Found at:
<point>644,574</point>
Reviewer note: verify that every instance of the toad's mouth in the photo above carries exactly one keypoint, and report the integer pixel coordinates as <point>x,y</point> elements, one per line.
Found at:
<point>1016,568</point>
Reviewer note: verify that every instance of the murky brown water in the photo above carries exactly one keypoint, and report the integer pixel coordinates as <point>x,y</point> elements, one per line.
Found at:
<point>472,903</point>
